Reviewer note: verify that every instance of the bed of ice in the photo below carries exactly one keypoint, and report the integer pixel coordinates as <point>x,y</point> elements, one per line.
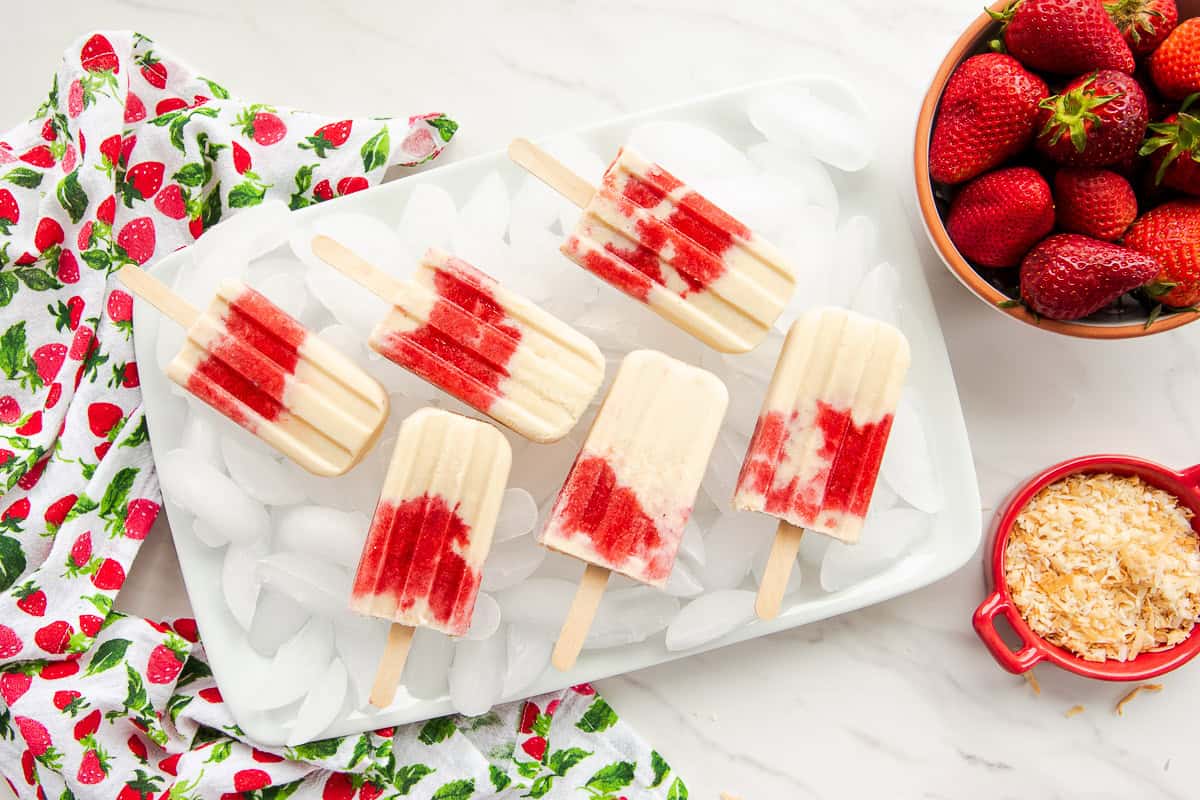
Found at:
<point>291,540</point>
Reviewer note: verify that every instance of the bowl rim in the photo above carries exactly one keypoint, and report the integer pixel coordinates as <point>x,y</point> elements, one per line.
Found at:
<point>936,230</point>
<point>1184,484</point>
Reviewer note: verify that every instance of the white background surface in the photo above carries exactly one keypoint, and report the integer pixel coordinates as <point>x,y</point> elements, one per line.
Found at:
<point>900,699</point>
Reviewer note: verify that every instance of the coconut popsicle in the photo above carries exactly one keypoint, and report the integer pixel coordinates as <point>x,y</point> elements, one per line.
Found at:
<point>423,559</point>
<point>660,241</point>
<point>462,331</point>
<point>814,457</point>
<point>258,366</point>
<point>628,496</point>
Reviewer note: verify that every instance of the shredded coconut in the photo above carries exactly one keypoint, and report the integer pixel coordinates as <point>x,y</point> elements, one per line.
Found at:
<point>1145,687</point>
<point>1105,566</point>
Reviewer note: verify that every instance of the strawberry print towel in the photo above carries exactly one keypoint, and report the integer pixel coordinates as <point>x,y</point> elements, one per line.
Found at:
<point>132,156</point>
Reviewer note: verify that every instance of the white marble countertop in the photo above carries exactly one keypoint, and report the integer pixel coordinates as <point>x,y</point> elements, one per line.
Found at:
<point>898,699</point>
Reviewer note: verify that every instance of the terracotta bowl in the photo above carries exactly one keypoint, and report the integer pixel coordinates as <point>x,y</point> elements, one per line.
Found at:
<point>1126,323</point>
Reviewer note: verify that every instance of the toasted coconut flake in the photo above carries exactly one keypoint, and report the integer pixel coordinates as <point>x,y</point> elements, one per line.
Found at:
<point>1073,711</point>
<point>1032,680</point>
<point>1145,687</point>
<point>1105,566</point>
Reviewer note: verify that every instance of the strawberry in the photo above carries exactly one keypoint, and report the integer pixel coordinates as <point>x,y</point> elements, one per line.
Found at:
<point>106,212</point>
<point>139,516</point>
<point>247,780</point>
<point>135,109</point>
<point>48,359</point>
<point>211,695</point>
<point>68,268</point>
<point>56,670</point>
<point>328,137</point>
<point>170,764</point>
<point>166,660</point>
<point>90,624</point>
<point>128,143</point>
<point>261,124</point>
<point>58,510</point>
<point>996,218</point>
<point>263,757</point>
<point>10,409</point>
<point>98,56</point>
<point>53,638</point>
<point>1174,149</point>
<point>91,768</point>
<point>529,714</point>
<point>101,450</point>
<point>32,426</point>
<point>154,72</point>
<point>54,395</point>
<point>1068,276</point>
<point>65,699</point>
<point>369,791</point>
<point>5,455</point>
<point>142,786</point>
<point>49,132</point>
<point>350,185</point>
<point>109,576</point>
<point>418,144</point>
<point>40,156</point>
<point>81,342</point>
<point>142,182</point>
<point>31,599</point>
<point>385,733</point>
<point>168,105</point>
<point>241,159</point>
<point>196,226</point>
<point>137,238</point>
<point>48,234</point>
<point>129,375</point>
<point>1064,36</point>
<point>18,510</point>
<point>75,98</point>
<point>13,685</point>
<point>171,203</point>
<point>103,417</point>
<point>1097,120</point>
<point>323,191</point>
<point>1175,65</point>
<point>36,737</point>
<point>81,550</point>
<point>535,747</point>
<point>10,643</point>
<point>120,306</point>
<point>338,786</point>
<point>10,212</point>
<point>1170,233</point>
<point>1095,202</point>
<point>186,626</point>
<point>27,767</point>
<point>986,116</point>
<point>69,158</point>
<point>87,726</point>
<point>199,100</point>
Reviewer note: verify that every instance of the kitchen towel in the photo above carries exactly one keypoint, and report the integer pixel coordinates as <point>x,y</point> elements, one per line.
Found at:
<point>132,156</point>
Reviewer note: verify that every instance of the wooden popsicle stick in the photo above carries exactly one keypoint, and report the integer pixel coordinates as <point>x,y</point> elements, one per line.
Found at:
<point>354,267</point>
<point>391,666</point>
<point>550,171</point>
<point>579,618</point>
<point>778,570</point>
<point>155,292</point>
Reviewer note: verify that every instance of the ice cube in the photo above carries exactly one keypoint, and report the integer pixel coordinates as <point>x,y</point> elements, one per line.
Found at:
<point>745,402</point>
<point>907,462</point>
<point>240,586</point>
<point>528,656</point>
<point>477,675</point>
<point>628,616</point>
<point>429,216</point>
<point>263,477</point>
<point>710,617</point>
<point>427,671</point>
<point>360,642</point>
<point>883,497</point>
<point>328,534</point>
<point>287,292</point>
<point>731,544</point>
<point>812,550</point>
<point>349,303</point>
<point>273,265</point>
<point>518,514</point>
<point>208,535</point>
<point>317,585</point>
<point>758,566</point>
<point>301,660</point>
<point>683,582</point>
<point>721,476</point>
<point>246,235</point>
<point>542,471</point>
<point>369,237</point>
<point>357,490</point>
<point>198,487</point>
<point>485,620</point>
<point>885,539</point>
<point>797,117</point>
<point>344,340</point>
<point>511,562</point>
<point>799,168</point>
<point>535,207</point>
<point>321,705</point>
<point>535,264</point>
<point>539,603</point>
<point>693,154</point>
<point>765,203</point>
<point>200,435</point>
<point>856,244</point>
<point>483,251</point>
<point>691,546</point>
<point>277,617</point>
<point>878,295</point>
<point>487,209</point>
<point>575,154</point>
<point>167,344</point>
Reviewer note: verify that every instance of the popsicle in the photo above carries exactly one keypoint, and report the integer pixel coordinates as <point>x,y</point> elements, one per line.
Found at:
<point>814,457</point>
<point>258,366</point>
<point>459,329</point>
<point>627,497</point>
<point>431,532</point>
<point>661,242</point>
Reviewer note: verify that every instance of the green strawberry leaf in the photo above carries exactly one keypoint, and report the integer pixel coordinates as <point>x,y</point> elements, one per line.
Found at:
<point>177,703</point>
<point>315,751</point>
<point>8,287</point>
<point>13,357</point>
<point>542,786</point>
<point>436,730</point>
<point>455,790</point>
<point>598,718</point>
<point>677,791</point>
<point>24,177</point>
<point>96,259</point>
<point>246,194</point>
<point>36,279</point>
<point>72,197</point>
<point>613,777</point>
<point>83,505</point>
<point>116,497</point>
<point>107,655</point>
<point>445,126</point>
<point>192,174</point>
<point>499,777</point>
<point>375,150</point>
<point>211,211</point>
<point>193,670</point>
<point>12,561</point>
<point>528,769</point>
<point>409,776</point>
<point>562,760</point>
<point>660,767</point>
<point>218,91</point>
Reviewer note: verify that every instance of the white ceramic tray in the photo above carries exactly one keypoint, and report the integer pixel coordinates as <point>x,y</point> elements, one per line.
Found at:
<point>954,529</point>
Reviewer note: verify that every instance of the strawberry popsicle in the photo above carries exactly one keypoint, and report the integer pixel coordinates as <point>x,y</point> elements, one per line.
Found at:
<point>424,554</point>
<point>661,242</point>
<point>816,450</point>
<point>258,366</point>
<point>459,329</point>
<point>627,498</point>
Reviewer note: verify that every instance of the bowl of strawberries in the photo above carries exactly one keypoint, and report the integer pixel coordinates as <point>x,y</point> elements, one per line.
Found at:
<point>1057,163</point>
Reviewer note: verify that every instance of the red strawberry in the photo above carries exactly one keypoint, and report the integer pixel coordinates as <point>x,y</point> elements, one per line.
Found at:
<point>54,395</point>
<point>110,149</point>
<point>31,599</point>
<point>164,665</point>
<point>90,624</point>
<point>53,638</point>
<point>323,191</point>
<point>91,768</point>
<point>40,156</point>
<point>196,227</point>
<point>1175,65</point>
<point>5,455</point>
<point>137,747</point>
<point>84,240</point>
<point>211,695</point>
<point>9,210</point>
<point>88,725</point>
<point>30,478</point>
<point>199,100</point>
<point>103,417</point>
<point>120,306</point>
<point>106,212</point>
<point>48,234</point>
<point>81,342</point>
<point>155,73</point>
<point>101,450</point>
<point>13,685</point>
<point>1095,121</point>
<point>49,360</point>
<point>369,791</point>
<point>186,626</point>
<point>142,181</point>
<point>27,767</point>
<point>137,238</point>
<point>535,747</point>
<point>135,109</point>
<point>1068,276</point>
<point>82,145</point>
<point>385,733</point>
<point>65,698</point>
<point>139,517</point>
<point>81,551</point>
<point>110,576</point>
<point>171,203</point>
<point>1174,149</point>
<point>32,426</point>
<point>418,144</point>
<point>1170,234</point>
<point>1095,202</point>
<point>68,269</point>
<point>59,509</point>
<point>48,131</point>
<point>170,764</point>
<point>18,510</point>
<point>168,105</point>
<point>127,144</point>
<point>529,715</point>
<point>1065,36</point>
<point>996,218</point>
<point>350,185</point>
<point>98,56</point>
<point>68,159</point>
<point>328,137</point>
<point>263,126</point>
<point>36,737</point>
<point>263,757</point>
<point>10,643</point>
<point>338,786</point>
<point>241,158</point>
<point>986,116</point>
<point>1144,24</point>
<point>57,670</point>
<point>10,409</point>
<point>247,780</point>
<point>75,98</point>
<point>129,376</point>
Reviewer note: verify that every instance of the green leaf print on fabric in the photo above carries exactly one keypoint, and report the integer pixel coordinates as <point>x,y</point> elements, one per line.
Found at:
<point>598,718</point>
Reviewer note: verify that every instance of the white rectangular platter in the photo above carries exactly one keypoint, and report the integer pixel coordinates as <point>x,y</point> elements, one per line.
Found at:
<point>924,521</point>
